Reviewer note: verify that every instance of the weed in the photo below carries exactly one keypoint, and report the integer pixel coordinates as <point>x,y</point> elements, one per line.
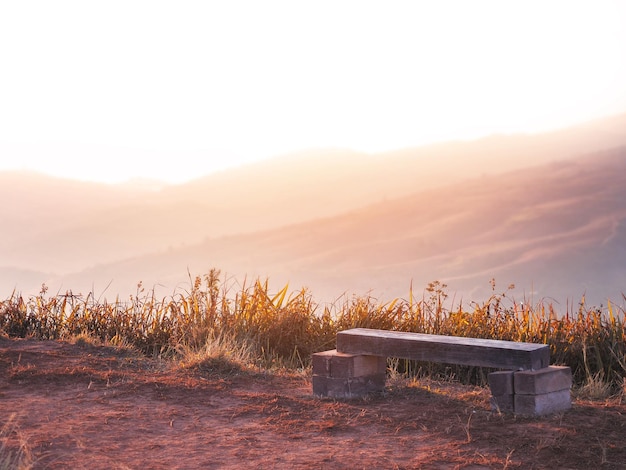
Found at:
<point>274,330</point>
<point>14,450</point>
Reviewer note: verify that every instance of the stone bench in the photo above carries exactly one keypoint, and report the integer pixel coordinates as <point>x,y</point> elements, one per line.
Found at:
<point>527,384</point>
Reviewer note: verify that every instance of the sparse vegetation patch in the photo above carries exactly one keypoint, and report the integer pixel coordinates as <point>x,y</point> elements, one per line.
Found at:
<point>250,325</point>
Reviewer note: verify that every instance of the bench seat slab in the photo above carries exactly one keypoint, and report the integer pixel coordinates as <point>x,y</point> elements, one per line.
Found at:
<point>444,349</point>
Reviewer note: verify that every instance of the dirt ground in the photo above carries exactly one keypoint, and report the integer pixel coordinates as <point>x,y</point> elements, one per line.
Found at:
<point>94,407</point>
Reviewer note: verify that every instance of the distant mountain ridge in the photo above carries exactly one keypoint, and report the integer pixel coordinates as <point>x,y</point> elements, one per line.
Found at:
<point>342,221</point>
<point>557,232</point>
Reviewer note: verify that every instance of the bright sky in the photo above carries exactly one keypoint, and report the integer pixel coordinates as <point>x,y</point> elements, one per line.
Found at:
<point>174,89</point>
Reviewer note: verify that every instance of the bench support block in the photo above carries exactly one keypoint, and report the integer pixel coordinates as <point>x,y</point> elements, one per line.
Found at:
<point>532,393</point>
<point>502,391</point>
<point>340,375</point>
<point>349,387</point>
<point>544,391</point>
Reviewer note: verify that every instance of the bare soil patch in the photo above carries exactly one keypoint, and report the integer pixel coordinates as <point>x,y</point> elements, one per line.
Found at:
<point>86,407</point>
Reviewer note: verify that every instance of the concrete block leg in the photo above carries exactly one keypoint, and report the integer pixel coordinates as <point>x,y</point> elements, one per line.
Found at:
<point>502,392</point>
<point>347,387</point>
<point>335,364</point>
<point>546,380</point>
<point>543,391</point>
<point>543,404</point>
<point>341,375</point>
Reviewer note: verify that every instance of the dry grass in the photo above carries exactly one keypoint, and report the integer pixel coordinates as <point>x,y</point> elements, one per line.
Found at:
<point>218,326</point>
<point>594,388</point>
<point>219,356</point>
<point>14,450</point>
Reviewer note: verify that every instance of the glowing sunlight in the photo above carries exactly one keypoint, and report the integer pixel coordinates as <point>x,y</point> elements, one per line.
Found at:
<point>171,90</point>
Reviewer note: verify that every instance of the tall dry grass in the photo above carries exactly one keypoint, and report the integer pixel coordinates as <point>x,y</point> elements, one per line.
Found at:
<point>15,453</point>
<point>283,329</point>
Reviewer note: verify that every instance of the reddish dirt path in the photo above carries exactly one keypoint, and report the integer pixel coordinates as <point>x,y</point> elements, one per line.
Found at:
<point>87,407</point>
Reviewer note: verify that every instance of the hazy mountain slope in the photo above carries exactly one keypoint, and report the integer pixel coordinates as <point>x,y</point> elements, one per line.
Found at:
<point>36,203</point>
<point>314,184</point>
<point>556,231</point>
<point>18,279</point>
<point>61,226</point>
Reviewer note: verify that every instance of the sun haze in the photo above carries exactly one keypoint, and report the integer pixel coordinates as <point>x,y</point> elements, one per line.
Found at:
<point>171,90</point>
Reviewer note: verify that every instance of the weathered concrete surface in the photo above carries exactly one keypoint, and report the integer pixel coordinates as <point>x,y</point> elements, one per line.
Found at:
<point>445,349</point>
<point>348,387</point>
<point>501,386</point>
<point>501,383</point>
<point>341,365</point>
<point>537,382</point>
<point>503,403</point>
<point>547,403</point>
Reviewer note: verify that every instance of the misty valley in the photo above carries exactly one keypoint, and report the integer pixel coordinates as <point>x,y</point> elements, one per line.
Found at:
<point>544,212</point>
